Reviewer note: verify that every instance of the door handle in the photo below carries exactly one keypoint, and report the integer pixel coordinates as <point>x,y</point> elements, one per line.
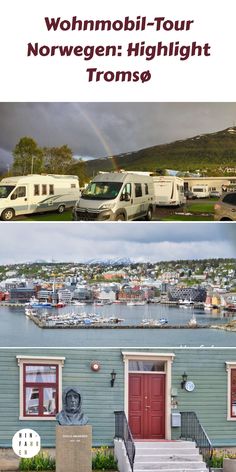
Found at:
<point>233,209</point>
<point>148,406</point>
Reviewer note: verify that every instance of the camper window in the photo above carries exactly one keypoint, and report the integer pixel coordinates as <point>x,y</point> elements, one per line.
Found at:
<point>5,190</point>
<point>73,186</point>
<point>138,190</point>
<point>19,193</point>
<point>44,189</point>
<point>146,189</point>
<point>36,189</point>
<point>51,189</point>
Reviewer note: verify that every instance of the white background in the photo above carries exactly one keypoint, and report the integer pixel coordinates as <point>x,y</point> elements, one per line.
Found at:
<point>65,78</point>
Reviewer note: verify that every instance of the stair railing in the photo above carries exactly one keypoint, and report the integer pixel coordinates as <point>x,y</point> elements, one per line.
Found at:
<point>122,431</point>
<point>191,428</point>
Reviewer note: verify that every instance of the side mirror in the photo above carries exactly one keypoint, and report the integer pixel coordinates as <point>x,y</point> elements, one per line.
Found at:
<point>125,197</point>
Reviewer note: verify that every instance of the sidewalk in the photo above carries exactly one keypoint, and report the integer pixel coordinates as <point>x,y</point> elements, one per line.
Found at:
<point>8,460</point>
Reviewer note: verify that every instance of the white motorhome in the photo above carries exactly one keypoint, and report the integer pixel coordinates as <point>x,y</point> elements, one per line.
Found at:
<point>200,191</point>
<point>37,193</point>
<point>169,191</point>
<point>116,196</point>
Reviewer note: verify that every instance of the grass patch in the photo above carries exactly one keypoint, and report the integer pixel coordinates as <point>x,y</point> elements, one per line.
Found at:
<point>66,216</point>
<point>188,218</point>
<point>201,207</point>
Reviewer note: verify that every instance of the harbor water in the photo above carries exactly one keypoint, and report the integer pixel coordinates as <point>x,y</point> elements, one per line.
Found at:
<point>18,330</point>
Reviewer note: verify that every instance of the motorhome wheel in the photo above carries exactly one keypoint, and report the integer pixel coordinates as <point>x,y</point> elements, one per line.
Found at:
<point>8,214</point>
<point>61,209</point>
<point>120,218</point>
<point>149,214</point>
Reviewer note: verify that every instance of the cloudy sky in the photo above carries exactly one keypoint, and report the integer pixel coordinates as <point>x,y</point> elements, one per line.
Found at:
<point>103,129</point>
<point>20,242</point>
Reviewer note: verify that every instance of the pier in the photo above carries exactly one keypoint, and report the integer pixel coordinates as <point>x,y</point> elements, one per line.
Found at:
<point>43,324</point>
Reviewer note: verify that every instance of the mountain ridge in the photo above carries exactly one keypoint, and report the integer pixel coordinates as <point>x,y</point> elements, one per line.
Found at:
<point>204,151</point>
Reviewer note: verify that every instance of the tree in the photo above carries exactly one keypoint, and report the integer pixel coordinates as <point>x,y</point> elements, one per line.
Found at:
<point>28,157</point>
<point>57,160</point>
<point>79,168</point>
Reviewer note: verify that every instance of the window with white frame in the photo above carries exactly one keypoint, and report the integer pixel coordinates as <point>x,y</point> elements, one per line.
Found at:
<point>231,408</point>
<point>40,386</point>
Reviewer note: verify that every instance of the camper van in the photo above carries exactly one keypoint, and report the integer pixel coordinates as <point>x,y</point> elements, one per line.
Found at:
<point>34,193</point>
<point>201,191</point>
<point>116,196</point>
<point>169,191</point>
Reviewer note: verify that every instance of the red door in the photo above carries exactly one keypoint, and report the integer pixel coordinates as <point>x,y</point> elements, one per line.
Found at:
<point>147,406</point>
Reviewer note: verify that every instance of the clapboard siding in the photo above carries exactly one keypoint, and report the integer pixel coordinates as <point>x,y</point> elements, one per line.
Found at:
<point>205,367</point>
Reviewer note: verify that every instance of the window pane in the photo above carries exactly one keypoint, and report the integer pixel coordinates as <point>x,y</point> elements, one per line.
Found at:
<point>127,190</point>
<point>233,391</point>
<point>40,373</point>
<point>138,190</point>
<point>32,401</point>
<point>147,366</point>
<point>44,189</point>
<point>19,193</point>
<point>230,199</point>
<point>36,189</point>
<point>49,401</point>
<point>51,189</point>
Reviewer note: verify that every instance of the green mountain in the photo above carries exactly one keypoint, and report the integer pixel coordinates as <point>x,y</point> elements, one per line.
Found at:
<point>211,153</point>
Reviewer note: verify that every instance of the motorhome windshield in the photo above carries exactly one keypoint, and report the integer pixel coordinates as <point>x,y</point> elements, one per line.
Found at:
<point>5,190</point>
<point>102,190</point>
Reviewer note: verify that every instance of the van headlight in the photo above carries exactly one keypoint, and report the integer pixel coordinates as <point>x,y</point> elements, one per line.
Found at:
<point>106,206</point>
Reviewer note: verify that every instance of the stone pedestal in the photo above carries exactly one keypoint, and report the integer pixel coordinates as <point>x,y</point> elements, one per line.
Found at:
<point>73,448</point>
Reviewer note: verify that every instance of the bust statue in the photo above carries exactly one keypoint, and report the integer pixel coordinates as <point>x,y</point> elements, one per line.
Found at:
<point>71,413</point>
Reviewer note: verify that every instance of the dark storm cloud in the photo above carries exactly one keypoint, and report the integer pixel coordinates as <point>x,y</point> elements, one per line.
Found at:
<point>102,129</point>
<point>139,241</point>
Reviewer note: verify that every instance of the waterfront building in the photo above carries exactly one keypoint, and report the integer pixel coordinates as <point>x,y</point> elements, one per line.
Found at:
<point>21,294</point>
<point>65,295</point>
<point>177,293</point>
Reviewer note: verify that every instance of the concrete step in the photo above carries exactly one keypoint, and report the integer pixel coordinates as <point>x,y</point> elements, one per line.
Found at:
<point>168,456</point>
<point>177,469</point>
<point>165,444</point>
<point>173,466</point>
<point>140,459</point>
<point>166,452</point>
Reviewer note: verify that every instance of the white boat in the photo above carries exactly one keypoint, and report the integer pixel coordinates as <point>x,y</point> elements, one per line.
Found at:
<point>192,322</point>
<point>136,303</point>
<point>77,303</point>
<point>30,311</point>
<point>186,302</point>
<point>151,322</point>
<point>208,306</point>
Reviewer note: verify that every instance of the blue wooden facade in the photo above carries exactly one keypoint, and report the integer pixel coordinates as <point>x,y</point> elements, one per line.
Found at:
<point>206,367</point>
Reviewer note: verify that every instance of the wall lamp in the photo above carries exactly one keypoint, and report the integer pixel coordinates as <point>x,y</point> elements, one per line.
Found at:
<point>184,380</point>
<point>113,378</point>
